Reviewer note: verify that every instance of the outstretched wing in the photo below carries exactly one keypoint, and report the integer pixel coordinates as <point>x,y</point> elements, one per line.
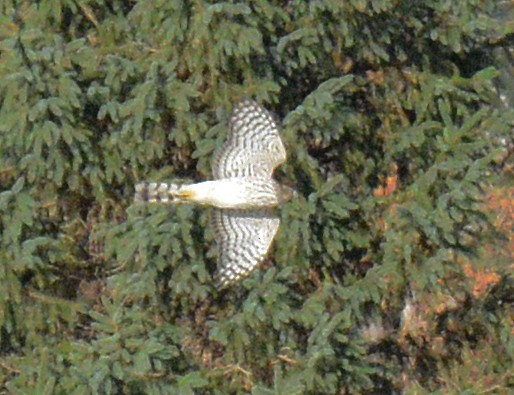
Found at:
<point>244,237</point>
<point>253,148</point>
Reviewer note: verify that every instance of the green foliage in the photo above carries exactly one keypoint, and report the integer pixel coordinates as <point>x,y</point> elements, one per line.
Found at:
<point>397,117</point>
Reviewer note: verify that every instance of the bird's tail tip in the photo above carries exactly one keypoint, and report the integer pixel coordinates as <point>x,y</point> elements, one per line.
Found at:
<point>155,192</point>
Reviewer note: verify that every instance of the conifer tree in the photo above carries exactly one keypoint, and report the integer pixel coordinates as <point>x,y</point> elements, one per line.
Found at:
<point>389,274</point>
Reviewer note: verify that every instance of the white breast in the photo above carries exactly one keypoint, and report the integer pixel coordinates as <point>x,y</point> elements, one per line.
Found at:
<point>226,193</point>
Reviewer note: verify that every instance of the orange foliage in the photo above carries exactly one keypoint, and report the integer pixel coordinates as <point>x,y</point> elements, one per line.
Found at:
<point>481,280</point>
<point>390,187</point>
<point>501,201</point>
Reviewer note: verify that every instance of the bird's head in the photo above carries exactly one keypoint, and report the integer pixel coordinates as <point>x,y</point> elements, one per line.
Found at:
<point>285,193</point>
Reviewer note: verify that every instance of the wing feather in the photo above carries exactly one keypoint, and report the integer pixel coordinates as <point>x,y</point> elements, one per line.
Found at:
<point>244,237</point>
<point>253,148</point>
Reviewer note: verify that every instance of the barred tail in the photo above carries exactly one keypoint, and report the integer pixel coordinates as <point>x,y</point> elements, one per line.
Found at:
<point>155,192</point>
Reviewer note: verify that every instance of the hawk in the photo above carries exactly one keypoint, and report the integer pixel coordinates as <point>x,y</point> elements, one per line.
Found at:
<point>242,192</point>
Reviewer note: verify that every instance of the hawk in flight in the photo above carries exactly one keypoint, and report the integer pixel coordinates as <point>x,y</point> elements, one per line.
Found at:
<point>243,191</point>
